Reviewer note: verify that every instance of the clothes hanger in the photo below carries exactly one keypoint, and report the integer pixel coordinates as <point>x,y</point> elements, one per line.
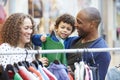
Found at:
<point>35,62</point>
<point>20,63</point>
<point>56,61</point>
<point>33,65</point>
<point>118,66</point>
<point>24,63</point>
<point>27,64</point>
<point>92,60</point>
<point>26,54</point>
<point>16,66</point>
<point>78,59</point>
<point>37,59</point>
<point>10,68</point>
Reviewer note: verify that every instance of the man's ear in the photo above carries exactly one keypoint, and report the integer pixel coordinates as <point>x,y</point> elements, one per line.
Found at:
<point>93,24</point>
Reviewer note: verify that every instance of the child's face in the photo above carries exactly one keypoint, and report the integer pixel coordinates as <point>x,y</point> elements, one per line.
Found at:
<point>64,30</point>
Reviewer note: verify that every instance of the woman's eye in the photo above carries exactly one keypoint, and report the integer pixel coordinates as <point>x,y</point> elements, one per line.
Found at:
<point>26,27</point>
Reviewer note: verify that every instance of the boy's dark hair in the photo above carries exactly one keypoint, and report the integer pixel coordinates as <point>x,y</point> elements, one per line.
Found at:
<point>66,18</point>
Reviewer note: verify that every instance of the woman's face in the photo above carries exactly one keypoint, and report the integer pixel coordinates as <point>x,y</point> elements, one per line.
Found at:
<point>26,31</point>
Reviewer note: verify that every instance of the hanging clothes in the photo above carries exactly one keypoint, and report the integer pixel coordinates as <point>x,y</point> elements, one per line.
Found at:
<point>3,73</point>
<point>59,70</point>
<point>49,74</point>
<point>113,74</point>
<point>2,14</point>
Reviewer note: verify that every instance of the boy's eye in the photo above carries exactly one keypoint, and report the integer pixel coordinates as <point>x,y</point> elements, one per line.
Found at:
<point>69,29</point>
<point>62,27</point>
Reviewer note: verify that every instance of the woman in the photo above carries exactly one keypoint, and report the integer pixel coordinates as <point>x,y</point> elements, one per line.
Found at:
<point>16,35</point>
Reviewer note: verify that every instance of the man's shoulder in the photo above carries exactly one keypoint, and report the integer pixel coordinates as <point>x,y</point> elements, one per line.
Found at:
<point>100,43</point>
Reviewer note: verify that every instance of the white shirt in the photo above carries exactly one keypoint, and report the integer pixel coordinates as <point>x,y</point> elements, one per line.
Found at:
<point>12,57</point>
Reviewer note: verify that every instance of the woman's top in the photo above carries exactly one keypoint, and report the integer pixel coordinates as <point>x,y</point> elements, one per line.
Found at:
<point>9,58</point>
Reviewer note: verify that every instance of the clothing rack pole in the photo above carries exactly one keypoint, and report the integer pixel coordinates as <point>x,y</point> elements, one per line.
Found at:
<point>60,51</point>
<point>79,50</point>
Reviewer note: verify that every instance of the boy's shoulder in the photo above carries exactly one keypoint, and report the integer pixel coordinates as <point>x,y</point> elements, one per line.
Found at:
<point>72,37</point>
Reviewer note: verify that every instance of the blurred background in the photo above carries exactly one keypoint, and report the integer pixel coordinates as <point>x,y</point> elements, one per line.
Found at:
<point>45,13</point>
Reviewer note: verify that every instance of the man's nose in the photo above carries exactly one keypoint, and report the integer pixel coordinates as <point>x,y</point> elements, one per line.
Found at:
<point>75,25</point>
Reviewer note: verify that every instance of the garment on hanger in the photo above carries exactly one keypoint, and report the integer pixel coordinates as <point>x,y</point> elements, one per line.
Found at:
<point>51,44</point>
<point>59,70</point>
<point>49,74</point>
<point>113,74</point>
<point>3,73</point>
<point>85,70</point>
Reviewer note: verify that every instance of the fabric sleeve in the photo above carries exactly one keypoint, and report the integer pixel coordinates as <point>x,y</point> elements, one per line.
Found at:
<point>103,60</point>
<point>36,40</point>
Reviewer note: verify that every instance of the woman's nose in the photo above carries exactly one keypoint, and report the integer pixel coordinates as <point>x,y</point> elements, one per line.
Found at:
<point>30,31</point>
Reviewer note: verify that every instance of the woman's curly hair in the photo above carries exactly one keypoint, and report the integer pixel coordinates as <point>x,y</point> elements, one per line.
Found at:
<point>11,28</point>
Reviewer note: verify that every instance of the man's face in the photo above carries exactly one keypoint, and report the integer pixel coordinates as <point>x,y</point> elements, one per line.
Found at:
<point>82,24</point>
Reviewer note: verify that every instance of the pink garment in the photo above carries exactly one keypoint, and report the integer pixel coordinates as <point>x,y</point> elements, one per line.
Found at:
<point>23,74</point>
<point>49,74</point>
<point>2,14</point>
<point>33,70</point>
<point>87,76</point>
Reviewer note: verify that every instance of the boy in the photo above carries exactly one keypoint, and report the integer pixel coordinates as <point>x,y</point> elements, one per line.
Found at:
<point>58,39</point>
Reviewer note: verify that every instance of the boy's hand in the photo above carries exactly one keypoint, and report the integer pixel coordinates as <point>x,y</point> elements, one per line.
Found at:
<point>43,38</point>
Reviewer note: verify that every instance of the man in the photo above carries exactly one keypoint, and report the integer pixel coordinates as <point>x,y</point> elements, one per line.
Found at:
<point>87,22</point>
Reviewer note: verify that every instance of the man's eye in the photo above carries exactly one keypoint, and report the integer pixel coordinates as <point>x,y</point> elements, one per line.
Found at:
<point>79,22</point>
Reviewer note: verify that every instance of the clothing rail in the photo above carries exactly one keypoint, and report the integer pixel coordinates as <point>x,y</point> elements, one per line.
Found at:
<point>60,51</point>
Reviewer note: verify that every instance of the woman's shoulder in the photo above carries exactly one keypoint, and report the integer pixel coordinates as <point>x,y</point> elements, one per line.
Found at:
<point>4,46</point>
<point>8,47</point>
